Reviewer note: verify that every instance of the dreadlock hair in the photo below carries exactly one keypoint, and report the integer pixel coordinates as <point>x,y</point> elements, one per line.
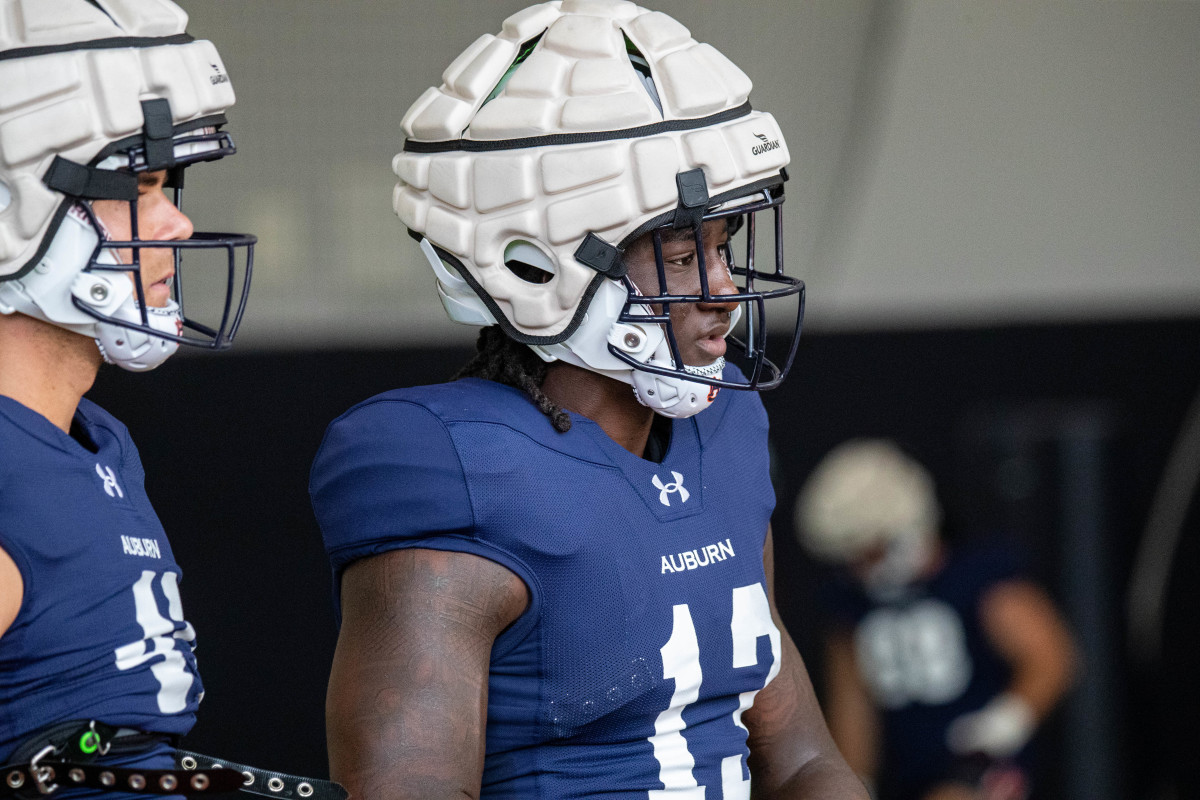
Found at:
<point>503,360</point>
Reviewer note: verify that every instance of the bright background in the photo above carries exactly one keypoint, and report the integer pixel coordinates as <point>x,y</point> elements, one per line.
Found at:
<point>954,162</point>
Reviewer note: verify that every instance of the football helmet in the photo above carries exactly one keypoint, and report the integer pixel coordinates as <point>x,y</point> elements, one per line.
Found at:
<point>867,495</point>
<point>550,148</point>
<point>93,93</point>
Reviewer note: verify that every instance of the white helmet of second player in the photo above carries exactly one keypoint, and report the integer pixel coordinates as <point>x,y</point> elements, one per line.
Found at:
<point>93,92</point>
<point>550,147</point>
<point>866,494</point>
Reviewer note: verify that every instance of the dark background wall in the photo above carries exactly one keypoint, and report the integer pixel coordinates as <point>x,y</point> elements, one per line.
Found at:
<point>1000,415</point>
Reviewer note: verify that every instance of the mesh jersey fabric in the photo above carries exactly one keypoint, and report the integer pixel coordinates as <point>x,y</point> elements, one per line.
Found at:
<point>927,660</point>
<point>647,592</point>
<point>100,633</point>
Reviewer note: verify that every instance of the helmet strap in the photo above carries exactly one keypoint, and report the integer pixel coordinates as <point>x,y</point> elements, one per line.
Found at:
<point>81,181</point>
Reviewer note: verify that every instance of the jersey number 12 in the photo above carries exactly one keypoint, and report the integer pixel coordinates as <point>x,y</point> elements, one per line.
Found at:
<point>751,619</point>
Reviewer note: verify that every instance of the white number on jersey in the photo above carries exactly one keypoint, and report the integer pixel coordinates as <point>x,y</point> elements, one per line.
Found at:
<point>751,619</point>
<point>159,635</point>
<point>916,654</point>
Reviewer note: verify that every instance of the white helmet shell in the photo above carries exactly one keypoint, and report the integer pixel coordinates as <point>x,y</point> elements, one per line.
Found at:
<point>548,132</point>
<point>77,94</point>
<point>77,81</point>
<point>865,493</point>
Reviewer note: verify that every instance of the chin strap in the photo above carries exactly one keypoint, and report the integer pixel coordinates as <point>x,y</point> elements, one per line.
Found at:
<point>713,370</point>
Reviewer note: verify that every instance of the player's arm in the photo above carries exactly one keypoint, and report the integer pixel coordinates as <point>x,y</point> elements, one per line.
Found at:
<point>12,591</point>
<point>1022,624</point>
<point>853,718</point>
<point>407,702</point>
<point>792,756</point>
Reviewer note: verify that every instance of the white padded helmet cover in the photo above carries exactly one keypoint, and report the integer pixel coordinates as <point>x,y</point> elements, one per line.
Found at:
<point>578,80</point>
<point>866,492</point>
<point>76,103</point>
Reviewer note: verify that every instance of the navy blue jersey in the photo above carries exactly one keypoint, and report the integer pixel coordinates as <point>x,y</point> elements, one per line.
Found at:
<point>926,660</point>
<point>100,633</point>
<point>648,632</point>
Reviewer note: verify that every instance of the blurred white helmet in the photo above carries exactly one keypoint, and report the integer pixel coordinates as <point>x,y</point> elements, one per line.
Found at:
<point>866,494</point>
<point>92,93</point>
<point>550,147</point>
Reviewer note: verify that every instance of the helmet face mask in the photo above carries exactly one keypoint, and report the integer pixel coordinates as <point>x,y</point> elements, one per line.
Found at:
<point>216,318</point>
<point>753,287</point>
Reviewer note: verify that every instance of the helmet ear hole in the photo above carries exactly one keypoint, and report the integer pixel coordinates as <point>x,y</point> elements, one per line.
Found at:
<point>528,262</point>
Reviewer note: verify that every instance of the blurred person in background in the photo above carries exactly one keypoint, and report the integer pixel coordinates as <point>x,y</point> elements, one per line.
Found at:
<point>941,661</point>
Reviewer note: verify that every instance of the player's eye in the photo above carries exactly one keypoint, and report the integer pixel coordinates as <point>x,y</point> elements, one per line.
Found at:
<point>682,259</point>
<point>149,182</point>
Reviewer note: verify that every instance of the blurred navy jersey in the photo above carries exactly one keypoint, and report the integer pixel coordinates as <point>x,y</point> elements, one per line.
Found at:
<point>925,659</point>
<point>648,631</point>
<point>100,633</point>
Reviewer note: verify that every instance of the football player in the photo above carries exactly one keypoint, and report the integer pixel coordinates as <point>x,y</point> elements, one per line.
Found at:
<point>554,574</point>
<point>942,661</point>
<point>103,105</point>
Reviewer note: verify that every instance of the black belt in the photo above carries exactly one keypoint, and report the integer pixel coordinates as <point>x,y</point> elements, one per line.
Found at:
<point>262,781</point>
<point>63,756</point>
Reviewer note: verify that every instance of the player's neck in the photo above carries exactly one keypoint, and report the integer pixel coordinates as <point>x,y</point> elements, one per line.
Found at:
<point>607,402</point>
<point>45,368</point>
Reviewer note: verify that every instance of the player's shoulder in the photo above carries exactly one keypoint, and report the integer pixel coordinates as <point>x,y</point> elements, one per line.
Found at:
<point>466,400</point>
<point>25,432</point>
<point>442,414</point>
<point>417,422</point>
<point>389,473</point>
<point>93,416</point>
<point>980,562</point>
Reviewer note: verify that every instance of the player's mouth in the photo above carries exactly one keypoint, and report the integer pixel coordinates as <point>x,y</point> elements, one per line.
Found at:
<point>158,294</point>
<point>712,343</point>
<point>712,346</point>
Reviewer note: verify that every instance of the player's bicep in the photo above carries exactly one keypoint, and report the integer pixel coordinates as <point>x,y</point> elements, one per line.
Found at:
<point>406,708</point>
<point>1020,620</point>
<point>1022,624</point>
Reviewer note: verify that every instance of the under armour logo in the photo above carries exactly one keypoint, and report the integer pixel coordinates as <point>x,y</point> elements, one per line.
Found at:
<point>110,481</point>
<point>664,490</point>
